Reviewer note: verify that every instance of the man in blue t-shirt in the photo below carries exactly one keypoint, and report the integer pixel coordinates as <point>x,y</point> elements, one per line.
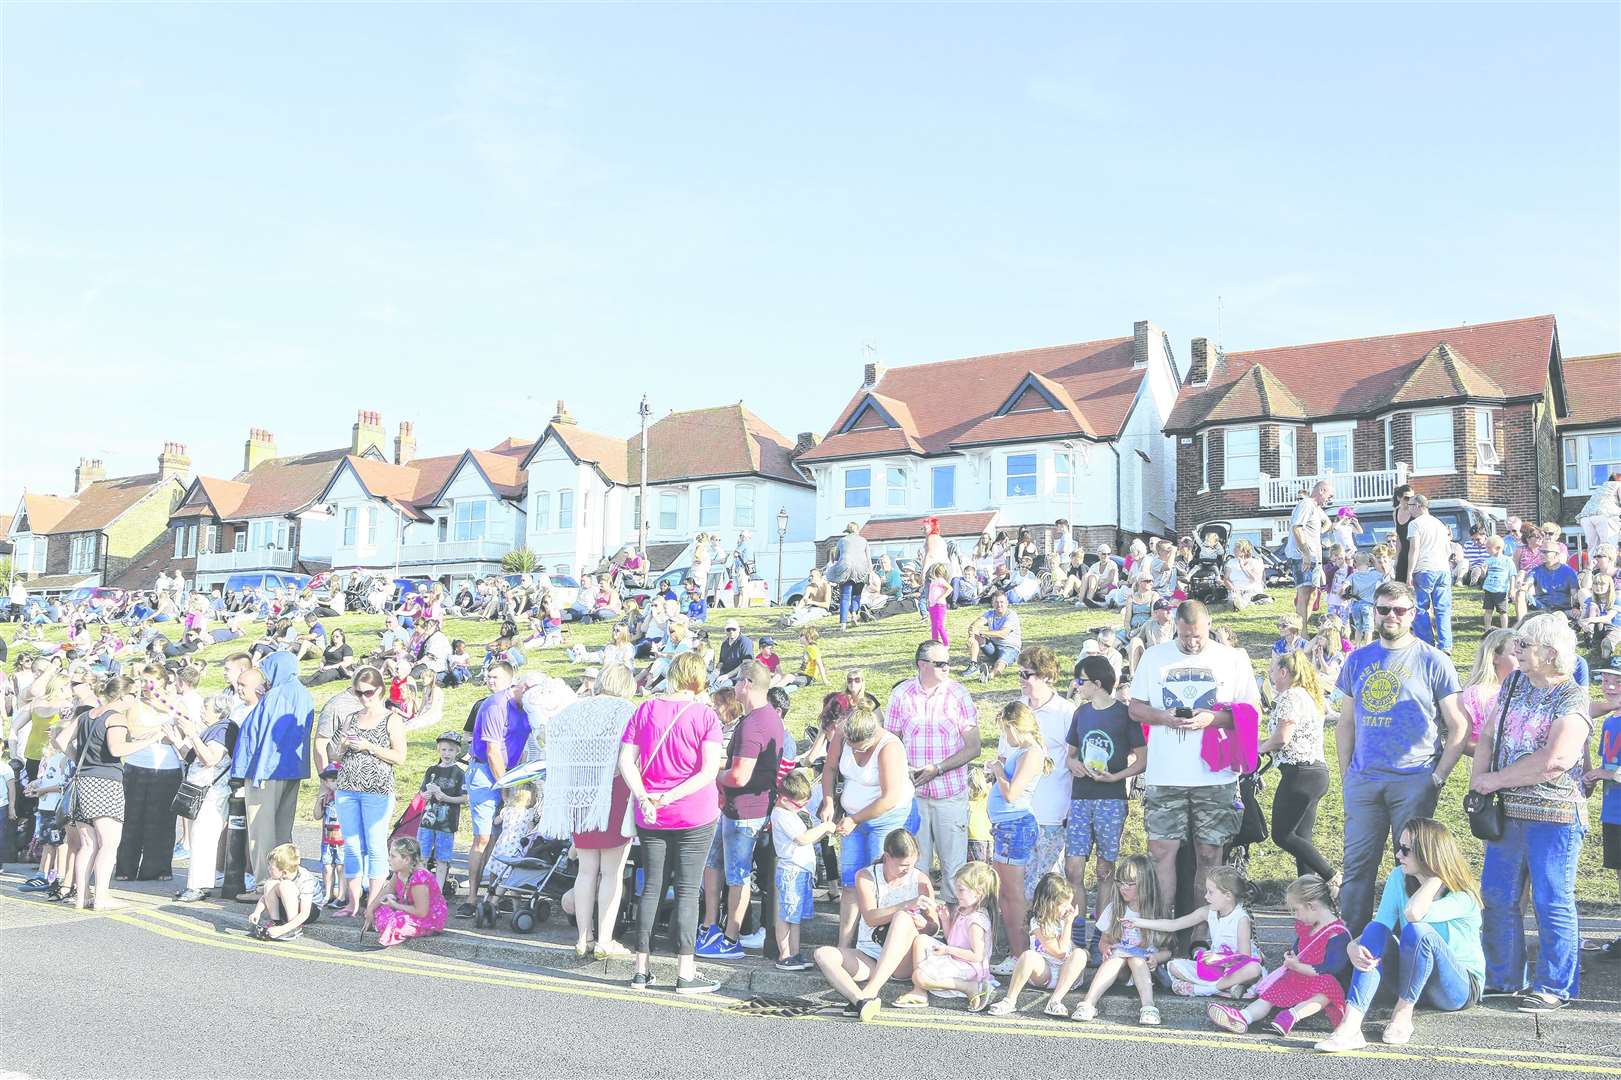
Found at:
<point>1554,584</point>
<point>994,639</point>
<point>1394,757</point>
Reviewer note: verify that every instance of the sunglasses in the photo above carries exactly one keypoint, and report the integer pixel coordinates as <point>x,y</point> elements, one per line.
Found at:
<point>1388,609</point>
<point>939,665</point>
<point>1403,850</point>
<point>1023,674</point>
<point>368,692</point>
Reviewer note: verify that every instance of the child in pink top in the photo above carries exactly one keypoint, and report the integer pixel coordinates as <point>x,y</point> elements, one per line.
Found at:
<point>934,598</point>
<point>962,962</point>
<point>411,905</point>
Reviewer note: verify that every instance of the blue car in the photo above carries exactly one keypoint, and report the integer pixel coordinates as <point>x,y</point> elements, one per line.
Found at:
<point>266,580</point>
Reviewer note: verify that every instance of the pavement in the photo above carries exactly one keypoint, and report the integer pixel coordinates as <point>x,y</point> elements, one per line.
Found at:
<point>157,974</point>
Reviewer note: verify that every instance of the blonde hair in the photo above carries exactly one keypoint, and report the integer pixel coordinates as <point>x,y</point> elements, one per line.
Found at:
<point>1138,870</point>
<point>1047,908</point>
<point>982,879</point>
<point>1436,850</point>
<point>615,680</point>
<point>1243,549</point>
<point>523,796</point>
<point>978,786</point>
<point>1492,646</point>
<point>285,858</point>
<point>1022,729</point>
<point>1310,889</point>
<point>861,726</point>
<point>687,672</point>
<point>407,848</point>
<point>1290,622</point>
<point>620,635</point>
<point>1302,673</point>
<point>940,570</point>
<point>809,635</point>
<point>1230,880</point>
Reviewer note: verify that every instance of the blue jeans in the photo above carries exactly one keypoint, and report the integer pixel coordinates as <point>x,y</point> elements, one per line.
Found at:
<point>365,819</point>
<point>1376,808</point>
<point>849,601</point>
<point>865,843</point>
<point>1433,589</point>
<point>732,850</point>
<point>1547,854</point>
<point>1419,964</point>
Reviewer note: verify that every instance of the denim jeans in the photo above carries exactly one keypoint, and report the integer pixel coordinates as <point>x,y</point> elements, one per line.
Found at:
<point>1433,589</point>
<point>1547,854</point>
<point>365,819</point>
<point>849,601</point>
<point>1419,965</point>
<point>1376,808</point>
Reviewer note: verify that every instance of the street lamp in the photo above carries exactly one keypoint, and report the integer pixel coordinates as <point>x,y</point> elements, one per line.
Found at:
<point>641,518</point>
<point>782,534</point>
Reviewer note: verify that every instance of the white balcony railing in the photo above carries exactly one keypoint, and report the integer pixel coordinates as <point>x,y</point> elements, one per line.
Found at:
<point>1350,488</point>
<point>448,551</point>
<point>262,559</point>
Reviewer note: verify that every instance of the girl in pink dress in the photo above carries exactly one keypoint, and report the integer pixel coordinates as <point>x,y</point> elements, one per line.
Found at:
<point>1308,982</point>
<point>963,962</point>
<point>411,905</point>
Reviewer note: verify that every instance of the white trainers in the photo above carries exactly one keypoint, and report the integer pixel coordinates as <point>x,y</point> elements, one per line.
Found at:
<point>1005,968</point>
<point>755,941</point>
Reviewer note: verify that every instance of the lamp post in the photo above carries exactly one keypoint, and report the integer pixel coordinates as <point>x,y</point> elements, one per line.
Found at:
<point>782,534</point>
<point>641,519</point>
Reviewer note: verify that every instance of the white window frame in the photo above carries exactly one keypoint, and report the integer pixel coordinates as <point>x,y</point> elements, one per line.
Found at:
<point>1034,475</point>
<point>472,519</point>
<point>670,507</point>
<point>1589,459</point>
<point>1324,433</point>
<point>371,526</point>
<point>565,508</point>
<point>1390,444</point>
<point>934,486</point>
<point>636,510</point>
<point>1572,465</point>
<point>1204,462</point>
<point>351,529</point>
<point>82,554</point>
<point>895,484</point>
<point>1063,473</point>
<point>542,512</point>
<point>850,489</point>
<point>191,541</point>
<point>239,540</point>
<point>1228,479</point>
<point>1288,468</point>
<point>1486,459</point>
<point>708,516</point>
<point>1435,468</point>
<point>743,501</point>
<point>179,540</point>
<point>210,538</point>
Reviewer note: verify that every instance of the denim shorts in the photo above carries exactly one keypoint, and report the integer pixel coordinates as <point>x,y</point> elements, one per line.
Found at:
<point>483,799</point>
<point>1013,843</point>
<point>1362,616</point>
<point>331,854</point>
<point>1307,573</point>
<point>436,844</point>
<point>795,903</point>
<point>1096,825</point>
<point>994,652</point>
<point>865,843</point>
<point>732,850</point>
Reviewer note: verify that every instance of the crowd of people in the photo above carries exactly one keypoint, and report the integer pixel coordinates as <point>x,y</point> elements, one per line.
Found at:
<point>950,870</point>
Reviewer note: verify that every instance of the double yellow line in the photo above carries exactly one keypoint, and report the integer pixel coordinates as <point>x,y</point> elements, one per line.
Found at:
<point>178,928</point>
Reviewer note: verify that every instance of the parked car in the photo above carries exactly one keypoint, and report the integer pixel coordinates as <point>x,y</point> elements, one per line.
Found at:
<point>271,580</point>
<point>97,595</point>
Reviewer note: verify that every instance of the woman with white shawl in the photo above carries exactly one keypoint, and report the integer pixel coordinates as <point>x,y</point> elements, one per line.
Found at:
<point>588,802</point>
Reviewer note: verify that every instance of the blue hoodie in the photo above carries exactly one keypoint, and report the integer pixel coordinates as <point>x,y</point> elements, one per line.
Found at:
<point>274,742</point>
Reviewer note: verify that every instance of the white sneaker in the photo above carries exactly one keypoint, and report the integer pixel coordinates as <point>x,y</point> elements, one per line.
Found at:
<point>754,941</point>
<point>1005,968</point>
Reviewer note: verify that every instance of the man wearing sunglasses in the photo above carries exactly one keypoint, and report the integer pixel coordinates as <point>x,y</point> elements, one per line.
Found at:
<point>1400,733</point>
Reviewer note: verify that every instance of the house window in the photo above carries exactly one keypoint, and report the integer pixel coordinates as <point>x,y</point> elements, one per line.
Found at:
<point>708,507</point>
<point>1242,457</point>
<point>1204,462</point>
<point>470,519</point>
<point>82,554</point>
<point>179,540</point>
<point>1334,452</point>
<point>191,541</point>
<point>371,525</point>
<point>943,487</point>
<point>743,506</point>
<point>636,511</point>
<point>585,511</point>
<point>1063,474</point>
<point>669,511</point>
<point>239,539</point>
<point>1432,441</point>
<point>41,544</point>
<point>895,487</point>
<point>565,509</point>
<point>443,529</point>
<point>1603,458</point>
<point>210,538</point>
<point>1573,468</point>
<point>1485,441</point>
<point>1390,445</point>
<point>350,516</point>
<point>543,511</point>
<point>1021,475</point>
<point>857,488</point>
<point>268,534</point>
<point>1288,459</point>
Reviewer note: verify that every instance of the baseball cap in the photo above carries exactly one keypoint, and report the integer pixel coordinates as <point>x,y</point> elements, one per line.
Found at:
<point>450,737</point>
<point>1346,511</point>
<point>1165,604</point>
<point>732,624</point>
<point>768,640</point>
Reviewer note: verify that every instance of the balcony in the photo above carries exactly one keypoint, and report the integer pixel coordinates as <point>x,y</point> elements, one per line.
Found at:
<point>262,559</point>
<point>1374,486</point>
<point>454,551</point>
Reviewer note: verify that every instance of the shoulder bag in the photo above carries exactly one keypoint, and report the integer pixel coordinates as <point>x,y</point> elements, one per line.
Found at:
<point>69,804</point>
<point>1485,812</point>
<point>627,827</point>
<point>190,796</point>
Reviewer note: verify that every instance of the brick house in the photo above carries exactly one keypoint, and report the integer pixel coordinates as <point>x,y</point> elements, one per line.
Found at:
<point>90,538</point>
<point>1590,436</point>
<point>1466,415</point>
<point>1070,431</point>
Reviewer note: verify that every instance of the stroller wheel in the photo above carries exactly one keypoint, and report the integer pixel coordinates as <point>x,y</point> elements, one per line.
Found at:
<point>523,921</point>
<point>541,909</point>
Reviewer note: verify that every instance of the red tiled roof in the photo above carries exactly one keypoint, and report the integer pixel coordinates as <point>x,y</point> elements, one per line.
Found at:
<point>504,471</point>
<point>44,511</point>
<point>215,497</point>
<point>5,524</point>
<point>954,402</point>
<point>104,502</point>
<point>726,440</point>
<point>606,452</point>
<point>911,528</point>
<point>287,485</point>
<point>513,445</point>
<point>1593,388</point>
<point>1367,375</point>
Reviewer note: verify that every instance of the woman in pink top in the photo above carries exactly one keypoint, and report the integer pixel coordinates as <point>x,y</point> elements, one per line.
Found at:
<point>669,757</point>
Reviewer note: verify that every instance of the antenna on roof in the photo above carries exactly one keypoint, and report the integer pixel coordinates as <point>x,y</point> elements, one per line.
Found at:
<point>869,350</point>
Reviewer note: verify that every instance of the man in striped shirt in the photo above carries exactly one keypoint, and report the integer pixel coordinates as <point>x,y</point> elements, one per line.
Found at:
<point>938,725</point>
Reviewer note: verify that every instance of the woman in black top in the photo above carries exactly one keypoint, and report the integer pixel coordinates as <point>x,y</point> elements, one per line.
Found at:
<point>99,741</point>
<point>1401,500</point>
<point>337,662</point>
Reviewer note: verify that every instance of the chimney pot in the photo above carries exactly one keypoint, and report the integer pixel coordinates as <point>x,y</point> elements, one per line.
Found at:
<point>1199,362</point>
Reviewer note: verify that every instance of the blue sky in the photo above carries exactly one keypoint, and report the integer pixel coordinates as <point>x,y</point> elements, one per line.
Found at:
<point>217,217</point>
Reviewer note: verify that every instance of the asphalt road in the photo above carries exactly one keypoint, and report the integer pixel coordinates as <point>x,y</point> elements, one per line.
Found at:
<point>128,995</point>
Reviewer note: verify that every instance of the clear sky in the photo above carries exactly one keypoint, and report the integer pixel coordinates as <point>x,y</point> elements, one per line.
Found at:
<point>218,217</point>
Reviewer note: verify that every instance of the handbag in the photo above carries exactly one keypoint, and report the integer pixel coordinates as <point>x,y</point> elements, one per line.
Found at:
<point>190,796</point>
<point>68,807</point>
<point>627,827</point>
<point>1252,827</point>
<point>1485,812</point>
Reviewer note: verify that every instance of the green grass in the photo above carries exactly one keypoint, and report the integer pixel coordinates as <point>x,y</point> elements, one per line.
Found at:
<point>884,652</point>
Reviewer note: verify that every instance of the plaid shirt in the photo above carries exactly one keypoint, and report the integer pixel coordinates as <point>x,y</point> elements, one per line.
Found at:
<point>932,727</point>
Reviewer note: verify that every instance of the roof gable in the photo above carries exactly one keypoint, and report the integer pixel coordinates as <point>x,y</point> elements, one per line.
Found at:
<point>1442,373</point>
<point>40,513</point>
<point>105,501</point>
<point>1593,386</point>
<point>1257,394</point>
<point>605,453</point>
<point>284,486</point>
<point>211,496</point>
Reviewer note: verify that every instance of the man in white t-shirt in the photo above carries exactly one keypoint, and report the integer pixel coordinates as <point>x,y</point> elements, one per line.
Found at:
<point>1304,547</point>
<point>1175,690</point>
<point>1429,572</point>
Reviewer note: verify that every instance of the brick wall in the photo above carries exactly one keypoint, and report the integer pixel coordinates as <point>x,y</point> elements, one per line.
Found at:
<point>59,552</point>
<point>142,523</point>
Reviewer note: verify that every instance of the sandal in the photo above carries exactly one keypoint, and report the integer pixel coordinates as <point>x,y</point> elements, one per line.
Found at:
<point>982,997</point>
<point>1006,1007</point>
<point>1397,1036</point>
<point>1148,1016</point>
<point>1084,1011</point>
<point>912,1000</point>
<point>1055,1007</point>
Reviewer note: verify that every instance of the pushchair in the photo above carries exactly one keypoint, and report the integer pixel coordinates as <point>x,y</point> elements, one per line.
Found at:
<point>525,888</point>
<point>1206,582</point>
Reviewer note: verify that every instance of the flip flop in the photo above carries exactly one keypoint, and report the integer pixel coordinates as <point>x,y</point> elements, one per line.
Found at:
<point>982,997</point>
<point>912,1001</point>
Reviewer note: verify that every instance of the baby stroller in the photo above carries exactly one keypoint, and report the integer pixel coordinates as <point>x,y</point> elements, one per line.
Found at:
<point>1206,582</point>
<point>524,888</point>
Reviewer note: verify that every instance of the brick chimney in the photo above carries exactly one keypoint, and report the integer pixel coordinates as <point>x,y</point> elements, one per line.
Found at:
<point>89,471</point>
<point>1139,343</point>
<point>367,433</point>
<point>405,444</point>
<point>807,440</point>
<point>871,374</point>
<point>174,462</point>
<point>561,416</point>
<point>1198,362</point>
<point>260,447</point>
